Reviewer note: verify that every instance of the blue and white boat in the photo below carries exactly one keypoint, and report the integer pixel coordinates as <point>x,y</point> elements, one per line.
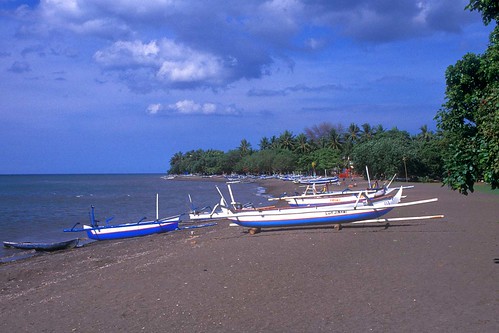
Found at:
<point>317,215</point>
<point>318,180</point>
<point>340,198</point>
<point>127,230</point>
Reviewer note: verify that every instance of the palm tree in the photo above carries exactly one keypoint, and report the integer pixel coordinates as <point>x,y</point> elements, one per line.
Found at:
<point>176,158</point>
<point>244,147</point>
<point>286,140</point>
<point>264,143</point>
<point>302,145</point>
<point>274,142</point>
<point>334,140</point>
<point>367,132</point>
<point>176,163</point>
<point>352,134</point>
<point>425,134</point>
<point>378,129</point>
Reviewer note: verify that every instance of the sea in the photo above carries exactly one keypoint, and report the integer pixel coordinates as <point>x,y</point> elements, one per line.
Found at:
<point>37,208</point>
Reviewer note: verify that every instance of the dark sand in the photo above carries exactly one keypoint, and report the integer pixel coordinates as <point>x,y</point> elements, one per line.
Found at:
<point>427,276</point>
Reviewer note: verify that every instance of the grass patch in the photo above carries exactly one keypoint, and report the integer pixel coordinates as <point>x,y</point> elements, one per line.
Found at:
<point>485,188</point>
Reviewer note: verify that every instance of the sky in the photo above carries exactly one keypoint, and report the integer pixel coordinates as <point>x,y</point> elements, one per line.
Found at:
<point>119,86</point>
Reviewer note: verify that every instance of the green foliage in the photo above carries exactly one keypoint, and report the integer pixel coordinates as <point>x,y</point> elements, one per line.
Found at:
<point>244,147</point>
<point>325,159</point>
<point>488,8</point>
<point>383,151</point>
<point>469,119</point>
<point>286,141</point>
<point>284,162</point>
<point>428,162</point>
<point>385,154</point>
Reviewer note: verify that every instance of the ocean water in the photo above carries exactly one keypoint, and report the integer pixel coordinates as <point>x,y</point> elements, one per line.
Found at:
<point>38,208</point>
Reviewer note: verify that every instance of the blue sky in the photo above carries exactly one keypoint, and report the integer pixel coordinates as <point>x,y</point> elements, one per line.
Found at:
<point>119,86</point>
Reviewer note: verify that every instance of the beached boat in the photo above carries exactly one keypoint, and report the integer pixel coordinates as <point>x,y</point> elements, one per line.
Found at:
<point>127,230</point>
<point>343,198</point>
<point>323,195</point>
<point>220,210</point>
<point>42,246</point>
<point>208,213</point>
<point>317,215</point>
<point>318,180</point>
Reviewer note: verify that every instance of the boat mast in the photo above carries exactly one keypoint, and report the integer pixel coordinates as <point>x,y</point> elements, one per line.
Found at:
<point>92,217</point>
<point>157,206</point>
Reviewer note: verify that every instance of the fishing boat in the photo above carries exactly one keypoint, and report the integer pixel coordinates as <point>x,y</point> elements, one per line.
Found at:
<point>220,210</point>
<point>208,213</point>
<point>313,196</point>
<point>43,246</point>
<point>318,215</point>
<point>127,230</point>
<point>344,198</point>
<point>319,180</point>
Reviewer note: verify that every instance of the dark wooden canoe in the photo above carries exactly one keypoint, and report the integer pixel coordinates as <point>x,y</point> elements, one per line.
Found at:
<point>39,246</point>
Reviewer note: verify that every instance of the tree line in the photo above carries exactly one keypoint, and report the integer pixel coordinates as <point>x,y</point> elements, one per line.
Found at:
<point>325,148</point>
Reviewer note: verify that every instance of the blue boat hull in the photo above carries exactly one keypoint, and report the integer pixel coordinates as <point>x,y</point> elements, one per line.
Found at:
<point>129,230</point>
<point>331,219</point>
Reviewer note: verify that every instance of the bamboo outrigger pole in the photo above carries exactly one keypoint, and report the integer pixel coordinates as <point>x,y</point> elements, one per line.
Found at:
<point>368,179</point>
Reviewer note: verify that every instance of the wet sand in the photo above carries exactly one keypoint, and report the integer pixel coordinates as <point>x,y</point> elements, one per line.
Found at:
<point>418,276</point>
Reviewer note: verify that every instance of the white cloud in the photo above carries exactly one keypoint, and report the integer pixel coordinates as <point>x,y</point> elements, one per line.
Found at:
<point>190,107</point>
<point>209,108</point>
<point>124,53</point>
<point>183,64</point>
<point>190,70</point>
<point>185,107</point>
<point>60,7</point>
<point>153,108</point>
<point>172,63</point>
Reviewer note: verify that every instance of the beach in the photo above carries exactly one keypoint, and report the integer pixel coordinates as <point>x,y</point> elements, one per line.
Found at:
<point>418,276</point>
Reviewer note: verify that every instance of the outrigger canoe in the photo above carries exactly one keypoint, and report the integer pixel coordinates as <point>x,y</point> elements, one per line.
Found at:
<point>318,215</point>
<point>221,210</point>
<point>42,246</point>
<point>344,199</point>
<point>127,230</point>
<point>312,197</point>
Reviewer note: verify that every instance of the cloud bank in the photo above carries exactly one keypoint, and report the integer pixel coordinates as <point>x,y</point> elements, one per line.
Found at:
<point>172,44</point>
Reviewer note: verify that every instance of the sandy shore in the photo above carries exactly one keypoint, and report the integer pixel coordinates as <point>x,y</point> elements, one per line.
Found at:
<point>427,276</point>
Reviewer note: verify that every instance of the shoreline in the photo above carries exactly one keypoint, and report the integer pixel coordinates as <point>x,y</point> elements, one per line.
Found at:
<point>273,187</point>
<point>418,276</point>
